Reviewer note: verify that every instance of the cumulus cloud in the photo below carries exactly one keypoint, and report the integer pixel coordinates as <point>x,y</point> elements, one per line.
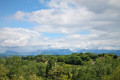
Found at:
<point>41,1</point>
<point>12,37</point>
<point>69,17</point>
<point>115,2</point>
<point>19,15</point>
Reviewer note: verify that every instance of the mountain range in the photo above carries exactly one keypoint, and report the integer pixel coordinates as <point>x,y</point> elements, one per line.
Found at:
<point>57,52</point>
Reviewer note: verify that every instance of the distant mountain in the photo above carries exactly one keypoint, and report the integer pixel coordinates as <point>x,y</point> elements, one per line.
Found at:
<point>53,52</point>
<point>58,52</point>
<point>39,52</point>
<point>97,51</point>
<point>9,53</point>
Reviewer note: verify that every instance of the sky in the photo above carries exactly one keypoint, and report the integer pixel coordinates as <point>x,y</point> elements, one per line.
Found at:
<point>30,25</point>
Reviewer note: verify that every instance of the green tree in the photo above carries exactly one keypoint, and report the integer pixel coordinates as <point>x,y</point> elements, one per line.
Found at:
<point>50,65</point>
<point>34,77</point>
<point>3,73</point>
<point>114,76</point>
<point>42,69</point>
<point>57,73</point>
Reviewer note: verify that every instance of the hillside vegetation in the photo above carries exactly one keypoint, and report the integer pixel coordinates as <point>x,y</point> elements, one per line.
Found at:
<point>78,66</point>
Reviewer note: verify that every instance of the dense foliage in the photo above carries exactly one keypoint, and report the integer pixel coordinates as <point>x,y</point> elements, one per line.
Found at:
<point>78,66</point>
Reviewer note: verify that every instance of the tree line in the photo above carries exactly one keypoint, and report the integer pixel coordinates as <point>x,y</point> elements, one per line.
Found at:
<point>77,66</point>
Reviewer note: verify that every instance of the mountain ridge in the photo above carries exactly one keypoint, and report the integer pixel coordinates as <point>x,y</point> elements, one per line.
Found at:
<point>58,52</point>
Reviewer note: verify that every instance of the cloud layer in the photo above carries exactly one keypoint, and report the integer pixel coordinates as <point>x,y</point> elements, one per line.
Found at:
<point>85,24</point>
<point>12,37</point>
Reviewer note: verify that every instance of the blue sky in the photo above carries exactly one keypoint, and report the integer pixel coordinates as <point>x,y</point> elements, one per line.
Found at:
<point>62,24</point>
<point>10,7</point>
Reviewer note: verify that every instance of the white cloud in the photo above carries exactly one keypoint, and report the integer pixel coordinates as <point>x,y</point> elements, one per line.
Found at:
<point>115,2</point>
<point>63,20</point>
<point>11,37</point>
<point>41,1</point>
<point>19,15</point>
<point>69,17</point>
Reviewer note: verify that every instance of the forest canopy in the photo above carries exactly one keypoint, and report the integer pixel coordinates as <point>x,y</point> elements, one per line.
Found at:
<point>77,66</point>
